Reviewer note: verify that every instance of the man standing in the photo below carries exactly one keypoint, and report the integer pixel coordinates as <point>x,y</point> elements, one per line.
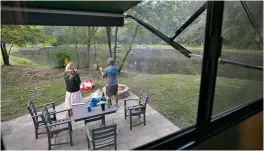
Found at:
<point>110,73</point>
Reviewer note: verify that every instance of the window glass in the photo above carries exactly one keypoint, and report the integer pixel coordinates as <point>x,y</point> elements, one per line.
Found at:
<point>237,85</point>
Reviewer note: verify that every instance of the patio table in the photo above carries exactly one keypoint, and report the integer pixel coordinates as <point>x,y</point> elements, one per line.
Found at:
<point>80,111</point>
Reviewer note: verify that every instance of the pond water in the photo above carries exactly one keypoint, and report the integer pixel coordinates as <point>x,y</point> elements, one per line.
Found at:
<point>152,61</point>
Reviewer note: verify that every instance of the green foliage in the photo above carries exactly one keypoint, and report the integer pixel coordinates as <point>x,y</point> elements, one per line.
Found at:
<point>21,35</point>
<point>59,59</point>
<point>237,30</point>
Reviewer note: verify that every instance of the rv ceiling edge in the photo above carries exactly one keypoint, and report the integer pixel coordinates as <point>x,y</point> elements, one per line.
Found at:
<point>64,12</point>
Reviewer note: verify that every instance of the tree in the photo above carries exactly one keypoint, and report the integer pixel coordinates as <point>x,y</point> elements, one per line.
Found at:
<point>90,33</point>
<point>115,47</point>
<point>95,55</point>
<point>76,45</point>
<point>19,35</point>
<point>108,32</point>
<point>128,50</point>
<point>138,9</point>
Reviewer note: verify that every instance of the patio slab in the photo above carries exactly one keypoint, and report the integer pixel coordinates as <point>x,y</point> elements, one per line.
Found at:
<point>18,134</point>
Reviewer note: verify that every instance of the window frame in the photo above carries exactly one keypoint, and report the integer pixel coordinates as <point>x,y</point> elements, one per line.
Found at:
<point>207,126</point>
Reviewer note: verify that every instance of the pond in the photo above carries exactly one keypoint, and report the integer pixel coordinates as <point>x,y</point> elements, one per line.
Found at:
<point>151,61</point>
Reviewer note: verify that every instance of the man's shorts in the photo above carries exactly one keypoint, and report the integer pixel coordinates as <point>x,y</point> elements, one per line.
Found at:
<point>111,90</point>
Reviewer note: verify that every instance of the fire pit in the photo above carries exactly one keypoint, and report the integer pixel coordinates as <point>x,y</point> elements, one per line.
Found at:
<point>123,91</point>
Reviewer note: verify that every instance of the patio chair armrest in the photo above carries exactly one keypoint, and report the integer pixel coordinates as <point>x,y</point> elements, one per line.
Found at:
<point>36,115</point>
<point>64,110</point>
<point>136,107</point>
<point>45,104</point>
<point>59,123</point>
<point>131,100</point>
<point>125,101</point>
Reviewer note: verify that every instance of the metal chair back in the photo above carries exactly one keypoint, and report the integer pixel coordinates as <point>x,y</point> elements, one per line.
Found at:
<point>32,111</point>
<point>104,136</point>
<point>46,118</point>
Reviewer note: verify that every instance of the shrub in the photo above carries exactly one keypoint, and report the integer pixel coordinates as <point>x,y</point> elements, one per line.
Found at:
<point>60,58</point>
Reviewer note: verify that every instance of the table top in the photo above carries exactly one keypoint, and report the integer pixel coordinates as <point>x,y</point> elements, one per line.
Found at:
<point>80,112</point>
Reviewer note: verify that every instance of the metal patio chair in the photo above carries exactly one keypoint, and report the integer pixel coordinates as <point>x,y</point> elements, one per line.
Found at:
<point>54,127</point>
<point>101,137</point>
<point>136,110</point>
<point>37,121</point>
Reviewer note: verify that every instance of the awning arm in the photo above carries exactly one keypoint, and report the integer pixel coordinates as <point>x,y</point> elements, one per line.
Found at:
<point>222,61</point>
<point>190,20</point>
<point>252,21</point>
<point>163,37</point>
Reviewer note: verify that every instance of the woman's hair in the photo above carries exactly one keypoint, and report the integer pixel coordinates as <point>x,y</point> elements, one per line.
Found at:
<point>69,69</point>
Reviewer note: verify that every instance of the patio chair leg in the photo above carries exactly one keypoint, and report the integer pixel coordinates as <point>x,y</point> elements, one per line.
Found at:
<point>103,120</point>
<point>36,132</point>
<point>139,116</point>
<point>144,116</point>
<point>71,138</point>
<point>88,142</point>
<point>70,133</point>
<point>71,127</point>
<point>130,117</point>
<point>49,142</point>
<point>115,146</point>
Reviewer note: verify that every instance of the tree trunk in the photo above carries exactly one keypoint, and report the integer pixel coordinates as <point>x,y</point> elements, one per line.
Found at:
<point>4,54</point>
<point>95,55</point>
<point>129,49</point>
<point>90,34</point>
<point>116,31</point>
<point>108,32</point>
<point>88,46</point>
<point>76,46</point>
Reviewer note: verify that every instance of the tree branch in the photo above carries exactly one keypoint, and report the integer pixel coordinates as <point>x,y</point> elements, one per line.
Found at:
<point>129,49</point>
<point>10,49</point>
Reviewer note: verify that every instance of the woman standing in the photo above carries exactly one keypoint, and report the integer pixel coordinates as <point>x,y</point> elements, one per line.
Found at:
<point>72,81</point>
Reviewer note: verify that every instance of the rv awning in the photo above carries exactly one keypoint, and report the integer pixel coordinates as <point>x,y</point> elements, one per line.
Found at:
<point>65,13</point>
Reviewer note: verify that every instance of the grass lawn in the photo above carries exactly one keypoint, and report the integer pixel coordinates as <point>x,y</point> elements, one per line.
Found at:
<point>13,60</point>
<point>175,96</point>
<point>39,84</point>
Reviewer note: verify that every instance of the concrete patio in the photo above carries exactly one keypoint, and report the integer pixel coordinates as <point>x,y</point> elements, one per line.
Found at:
<point>18,134</point>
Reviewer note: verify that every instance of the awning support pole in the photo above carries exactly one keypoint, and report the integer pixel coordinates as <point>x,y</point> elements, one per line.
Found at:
<point>252,21</point>
<point>190,20</point>
<point>239,64</point>
<point>175,45</point>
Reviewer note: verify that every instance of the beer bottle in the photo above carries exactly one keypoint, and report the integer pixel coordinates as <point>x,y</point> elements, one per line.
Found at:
<point>103,97</point>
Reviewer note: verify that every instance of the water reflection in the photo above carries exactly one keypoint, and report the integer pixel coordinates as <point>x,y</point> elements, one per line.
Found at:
<point>155,61</point>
